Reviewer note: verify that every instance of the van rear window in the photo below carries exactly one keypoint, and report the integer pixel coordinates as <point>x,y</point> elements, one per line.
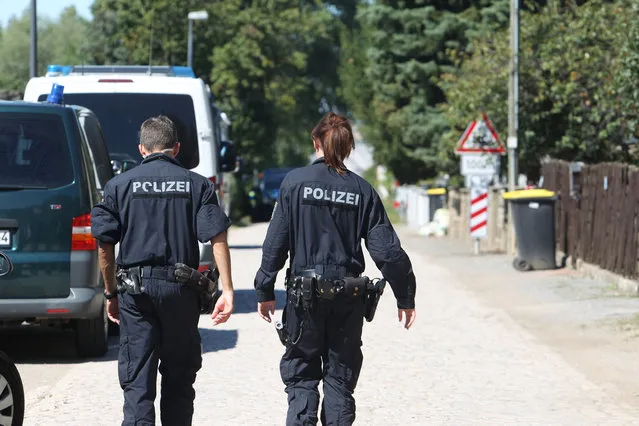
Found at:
<point>34,151</point>
<point>122,114</point>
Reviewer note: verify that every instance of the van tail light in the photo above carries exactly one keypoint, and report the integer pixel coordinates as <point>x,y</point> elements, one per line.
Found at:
<point>81,238</point>
<point>203,268</point>
<point>213,180</point>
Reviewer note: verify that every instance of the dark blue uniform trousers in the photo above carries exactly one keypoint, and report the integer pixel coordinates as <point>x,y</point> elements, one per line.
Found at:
<point>329,349</point>
<point>159,326</point>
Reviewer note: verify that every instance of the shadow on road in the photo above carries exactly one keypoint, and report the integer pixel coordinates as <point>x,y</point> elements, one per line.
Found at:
<point>55,346</point>
<point>245,301</point>
<point>217,340</point>
<point>33,345</point>
<point>39,345</point>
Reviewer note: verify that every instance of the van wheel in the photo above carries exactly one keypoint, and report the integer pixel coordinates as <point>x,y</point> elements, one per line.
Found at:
<point>92,335</point>
<point>11,392</point>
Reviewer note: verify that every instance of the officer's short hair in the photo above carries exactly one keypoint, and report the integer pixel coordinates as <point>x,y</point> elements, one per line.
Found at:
<point>157,133</point>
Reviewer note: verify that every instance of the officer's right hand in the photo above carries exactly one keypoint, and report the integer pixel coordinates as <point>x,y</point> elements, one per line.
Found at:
<point>265,309</point>
<point>112,310</point>
<point>223,308</point>
<point>410,316</point>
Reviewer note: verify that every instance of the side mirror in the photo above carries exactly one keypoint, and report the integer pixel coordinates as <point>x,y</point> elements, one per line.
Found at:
<point>122,166</point>
<point>116,166</point>
<point>228,156</point>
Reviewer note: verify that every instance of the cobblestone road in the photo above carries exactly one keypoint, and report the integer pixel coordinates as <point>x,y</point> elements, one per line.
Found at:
<point>462,363</point>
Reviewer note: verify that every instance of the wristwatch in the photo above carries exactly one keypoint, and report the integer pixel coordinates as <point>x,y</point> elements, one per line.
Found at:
<point>110,296</point>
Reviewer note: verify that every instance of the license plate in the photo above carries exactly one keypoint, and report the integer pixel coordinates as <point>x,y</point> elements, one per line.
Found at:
<point>5,238</point>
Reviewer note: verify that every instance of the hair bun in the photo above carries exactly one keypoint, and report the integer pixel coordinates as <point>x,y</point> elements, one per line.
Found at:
<point>335,120</point>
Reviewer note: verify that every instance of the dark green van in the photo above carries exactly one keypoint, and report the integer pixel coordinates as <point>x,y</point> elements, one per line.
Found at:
<point>53,165</point>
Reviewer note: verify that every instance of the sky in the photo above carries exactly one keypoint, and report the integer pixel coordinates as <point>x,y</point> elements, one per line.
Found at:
<point>50,8</point>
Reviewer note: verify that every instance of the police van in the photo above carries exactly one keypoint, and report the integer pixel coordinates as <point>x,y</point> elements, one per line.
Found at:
<point>123,96</point>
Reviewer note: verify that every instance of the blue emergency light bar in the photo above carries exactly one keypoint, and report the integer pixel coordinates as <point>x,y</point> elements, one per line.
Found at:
<point>164,70</point>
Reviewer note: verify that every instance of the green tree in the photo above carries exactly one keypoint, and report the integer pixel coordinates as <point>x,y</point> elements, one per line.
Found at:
<point>568,106</point>
<point>139,31</point>
<point>627,77</point>
<point>261,75</point>
<point>271,64</point>
<point>391,74</point>
<point>14,51</point>
<point>66,40</point>
<point>62,41</point>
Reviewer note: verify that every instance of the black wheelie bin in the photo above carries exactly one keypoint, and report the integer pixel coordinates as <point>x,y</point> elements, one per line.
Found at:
<point>533,213</point>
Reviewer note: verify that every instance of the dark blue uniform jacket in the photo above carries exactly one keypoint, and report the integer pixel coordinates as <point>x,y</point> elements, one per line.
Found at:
<point>157,211</point>
<point>321,218</point>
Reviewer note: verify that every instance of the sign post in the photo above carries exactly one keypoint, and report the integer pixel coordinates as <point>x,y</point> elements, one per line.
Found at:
<point>480,152</point>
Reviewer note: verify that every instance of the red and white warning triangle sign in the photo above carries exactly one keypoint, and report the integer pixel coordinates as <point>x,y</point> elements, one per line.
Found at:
<point>480,136</point>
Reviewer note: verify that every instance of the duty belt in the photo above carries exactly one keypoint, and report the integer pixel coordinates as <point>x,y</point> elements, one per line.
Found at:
<point>306,287</point>
<point>205,283</point>
<point>130,279</point>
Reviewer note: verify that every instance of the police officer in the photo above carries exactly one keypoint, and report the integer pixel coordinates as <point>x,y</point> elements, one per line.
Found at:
<point>322,214</point>
<point>156,212</point>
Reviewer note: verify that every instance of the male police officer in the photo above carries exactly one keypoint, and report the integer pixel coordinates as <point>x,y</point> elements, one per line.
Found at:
<point>323,213</point>
<point>156,212</point>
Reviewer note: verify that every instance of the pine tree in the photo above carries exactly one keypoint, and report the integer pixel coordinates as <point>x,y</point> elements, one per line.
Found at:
<point>395,87</point>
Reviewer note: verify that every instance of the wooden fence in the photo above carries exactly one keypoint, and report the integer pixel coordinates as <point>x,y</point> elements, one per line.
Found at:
<point>597,213</point>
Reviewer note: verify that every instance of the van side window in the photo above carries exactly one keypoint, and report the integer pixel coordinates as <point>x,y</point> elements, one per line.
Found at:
<point>87,162</point>
<point>34,151</point>
<point>97,145</point>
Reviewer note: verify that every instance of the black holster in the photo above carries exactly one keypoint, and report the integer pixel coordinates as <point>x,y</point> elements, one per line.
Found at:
<point>130,281</point>
<point>374,291</point>
<point>204,283</point>
<point>302,290</point>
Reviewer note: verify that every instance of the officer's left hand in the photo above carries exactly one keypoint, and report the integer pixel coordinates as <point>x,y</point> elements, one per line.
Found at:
<point>112,310</point>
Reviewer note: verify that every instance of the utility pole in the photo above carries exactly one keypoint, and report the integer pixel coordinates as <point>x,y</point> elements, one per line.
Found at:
<point>513,109</point>
<point>197,15</point>
<point>33,48</point>
<point>189,53</point>
<point>513,95</point>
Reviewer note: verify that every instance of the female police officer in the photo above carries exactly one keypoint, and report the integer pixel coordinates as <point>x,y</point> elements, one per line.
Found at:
<point>322,213</point>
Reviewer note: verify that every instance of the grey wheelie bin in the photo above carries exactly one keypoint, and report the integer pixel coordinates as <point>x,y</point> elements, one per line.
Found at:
<point>533,213</point>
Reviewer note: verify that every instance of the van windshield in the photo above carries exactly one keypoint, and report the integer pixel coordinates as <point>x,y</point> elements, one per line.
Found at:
<point>122,114</point>
<point>34,151</point>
